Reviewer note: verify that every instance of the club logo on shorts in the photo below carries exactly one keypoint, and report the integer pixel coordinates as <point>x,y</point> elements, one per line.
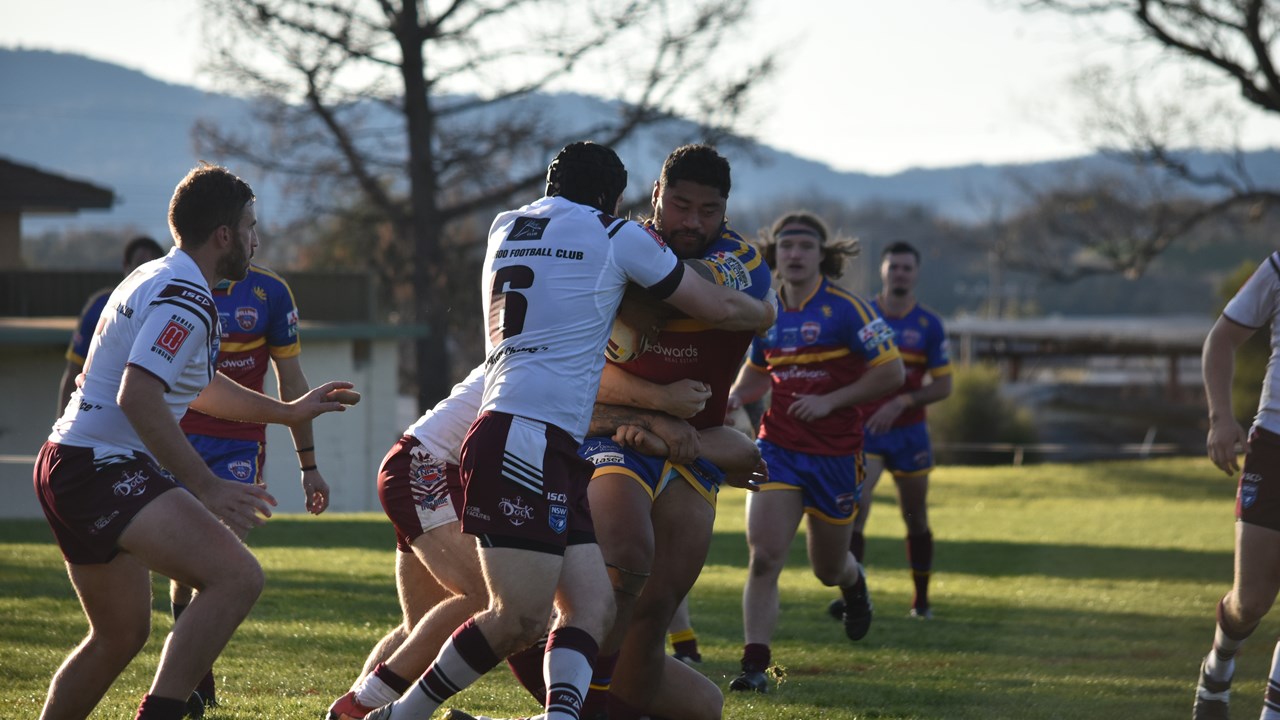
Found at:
<point>246,318</point>
<point>558,518</point>
<point>845,502</point>
<point>427,481</point>
<point>1249,489</point>
<point>516,512</point>
<point>241,470</point>
<point>130,483</point>
<point>101,523</point>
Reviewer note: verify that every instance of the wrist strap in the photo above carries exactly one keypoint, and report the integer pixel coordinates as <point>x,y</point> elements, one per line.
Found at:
<point>310,448</point>
<point>308,468</point>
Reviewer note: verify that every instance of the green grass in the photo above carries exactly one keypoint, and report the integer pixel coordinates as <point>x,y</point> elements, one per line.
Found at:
<point>1061,591</point>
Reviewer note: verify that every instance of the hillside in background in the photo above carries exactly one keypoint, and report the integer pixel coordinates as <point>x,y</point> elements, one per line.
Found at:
<point>121,129</point>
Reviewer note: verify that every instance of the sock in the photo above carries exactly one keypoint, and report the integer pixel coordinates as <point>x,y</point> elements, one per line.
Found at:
<point>463,659</point>
<point>571,652</point>
<point>1220,663</point>
<point>858,545</point>
<point>153,707</point>
<point>597,700</point>
<point>1271,701</point>
<point>920,558</point>
<point>526,666</point>
<point>381,687</point>
<point>685,643</point>
<point>854,594</point>
<point>756,657</point>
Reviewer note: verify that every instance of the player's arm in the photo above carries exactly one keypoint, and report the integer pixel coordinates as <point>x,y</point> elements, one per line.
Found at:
<point>619,421</point>
<point>225,398</point>
<point>293,385</point>
<point>1218,363</point>
<point>67,385</point>
<point>728,449</point>
<point>750,385</point>
<point>878,381</point>
<point>721,306</point>
<point>682,398</point>
<point>938,388</point>
<point>141,398</point>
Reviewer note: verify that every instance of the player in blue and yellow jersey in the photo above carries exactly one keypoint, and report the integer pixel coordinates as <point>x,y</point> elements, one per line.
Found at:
<point>897,438</point>
<point>259,328</point>
<point>141,249</point>
<point>828,353</point>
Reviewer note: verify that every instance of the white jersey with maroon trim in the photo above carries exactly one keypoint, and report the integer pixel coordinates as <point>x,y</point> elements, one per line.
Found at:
<point>442,428</point>
<point>161,319</point>
<point>1254,306</point>
<point>554,274</point>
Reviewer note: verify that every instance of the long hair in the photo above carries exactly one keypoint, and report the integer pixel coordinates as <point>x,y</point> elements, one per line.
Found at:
<point>834,251</point>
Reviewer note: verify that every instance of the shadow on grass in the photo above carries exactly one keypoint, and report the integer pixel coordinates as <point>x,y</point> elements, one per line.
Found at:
<point>1005,559</point>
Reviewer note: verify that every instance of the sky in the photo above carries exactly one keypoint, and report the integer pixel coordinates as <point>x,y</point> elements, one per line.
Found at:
<point>866,85</point>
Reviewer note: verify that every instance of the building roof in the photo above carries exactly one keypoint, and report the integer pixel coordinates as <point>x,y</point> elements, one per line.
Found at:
<point>27,189</point>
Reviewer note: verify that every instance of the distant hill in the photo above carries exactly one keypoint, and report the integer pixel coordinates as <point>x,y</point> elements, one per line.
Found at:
<point>119,128</point>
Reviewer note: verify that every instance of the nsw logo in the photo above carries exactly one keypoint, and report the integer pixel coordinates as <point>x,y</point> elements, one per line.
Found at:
<point>558,518</point>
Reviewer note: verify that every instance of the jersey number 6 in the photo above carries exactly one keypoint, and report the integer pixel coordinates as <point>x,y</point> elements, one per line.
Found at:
<point>507,307</point>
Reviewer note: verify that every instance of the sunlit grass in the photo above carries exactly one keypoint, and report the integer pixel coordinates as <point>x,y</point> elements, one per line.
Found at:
<point>1061,591</point>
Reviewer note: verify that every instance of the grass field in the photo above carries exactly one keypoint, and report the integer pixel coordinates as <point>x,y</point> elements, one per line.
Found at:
<point>1061,591</point>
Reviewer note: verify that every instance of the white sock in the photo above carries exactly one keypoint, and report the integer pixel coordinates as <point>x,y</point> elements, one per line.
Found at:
<point>374,693</point>
<point>566,669</point>
<point>449,672</point>
<point>1271,701</point>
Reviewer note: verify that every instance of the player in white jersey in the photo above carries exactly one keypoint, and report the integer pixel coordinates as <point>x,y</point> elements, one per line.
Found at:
<point>1257,556</point>
<point>555,272</point>
<point>99,477</point>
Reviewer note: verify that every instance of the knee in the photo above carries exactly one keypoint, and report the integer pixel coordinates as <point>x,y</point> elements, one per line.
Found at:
<point>121,640</point>
<point>829,574</point>
<point>1249,609</point>
<point>513,629</point>
<point>765,563</point>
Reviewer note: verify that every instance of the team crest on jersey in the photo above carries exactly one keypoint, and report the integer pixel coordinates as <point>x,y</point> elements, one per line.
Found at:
<point>241,470</point>
<point>259,293</point>
<point>558,518</point>
<point>247,317</point>
<point>911,337</point>
<point>809,332</point>
<point>528,228</point>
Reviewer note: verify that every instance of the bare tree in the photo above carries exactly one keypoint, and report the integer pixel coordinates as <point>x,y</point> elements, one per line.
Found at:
<point>1114,222</point>
<point>433,111</point>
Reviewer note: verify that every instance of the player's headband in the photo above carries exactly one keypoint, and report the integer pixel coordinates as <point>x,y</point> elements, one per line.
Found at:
<point>796,230</point>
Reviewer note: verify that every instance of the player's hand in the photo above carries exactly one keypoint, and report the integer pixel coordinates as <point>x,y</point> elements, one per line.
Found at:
<point>1224,439</point>
<point>641,440</point>
<point>680,437</point>
<point>882,419</point>
<point>751,480</point>
<point>685,398</point>
<point>315,491</point>
<point>808,408</point>
<point>330,397</point>
<point>240,506</point>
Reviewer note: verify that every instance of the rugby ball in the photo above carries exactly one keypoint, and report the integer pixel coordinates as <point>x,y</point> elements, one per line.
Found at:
<point>625,342</point>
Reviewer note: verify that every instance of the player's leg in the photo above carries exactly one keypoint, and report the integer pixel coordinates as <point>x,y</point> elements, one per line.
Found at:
<point>684,642</point>
<point>116,597</point>
<point>176,536</point>
<point>585,612</point>
<point>686,694</point>
<point>682,521</point>
<point>913,492</point>
<point>874,466</point>
<point>1257,573</point>
<point>773,516</point>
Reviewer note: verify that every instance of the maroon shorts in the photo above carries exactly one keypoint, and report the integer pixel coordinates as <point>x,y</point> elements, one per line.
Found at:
<point>88,506</point>
<point>418,491</point>
<point>1258,496</point>
<point>525,485</point>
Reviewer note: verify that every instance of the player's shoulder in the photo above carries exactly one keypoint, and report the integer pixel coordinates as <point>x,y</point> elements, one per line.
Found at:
<point>927,315</point>
<point>832,292</point>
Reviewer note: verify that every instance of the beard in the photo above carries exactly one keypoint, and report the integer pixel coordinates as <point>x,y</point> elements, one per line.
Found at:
<point>898,291</point>
<point>235,264</point>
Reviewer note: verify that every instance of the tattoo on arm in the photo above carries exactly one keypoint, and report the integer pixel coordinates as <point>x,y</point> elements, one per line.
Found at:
<point>605,419</point>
